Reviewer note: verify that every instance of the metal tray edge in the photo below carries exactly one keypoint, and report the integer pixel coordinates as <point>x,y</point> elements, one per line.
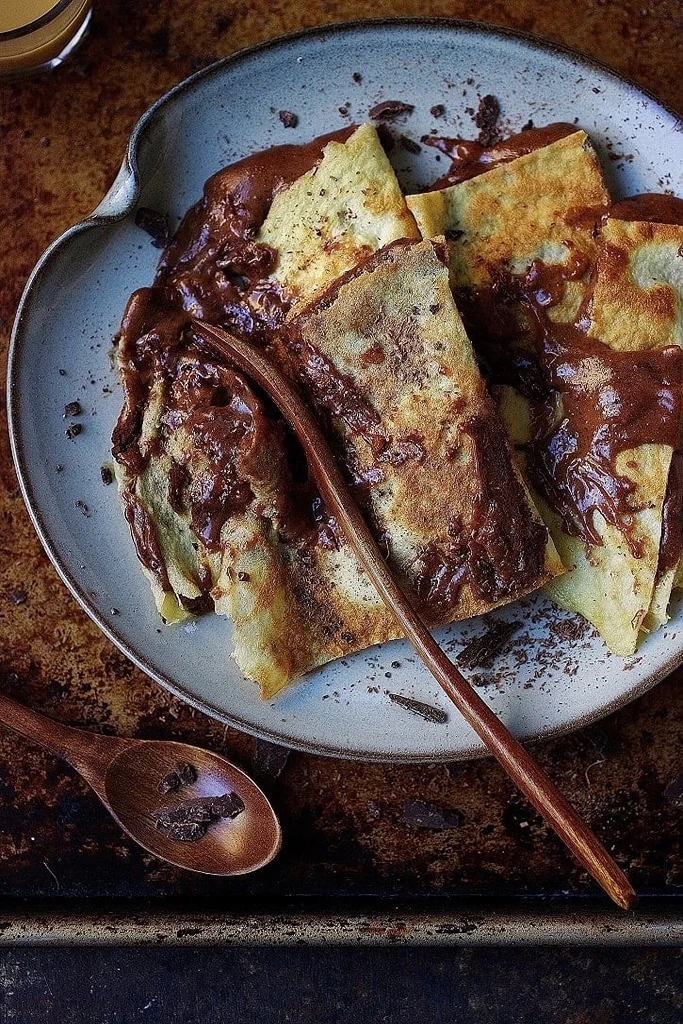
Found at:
<point>656,922</point>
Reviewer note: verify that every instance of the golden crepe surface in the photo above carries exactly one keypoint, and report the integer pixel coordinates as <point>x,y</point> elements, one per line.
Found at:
<point>524,246</point>
<point>218,500</point>
<point>329,219</point>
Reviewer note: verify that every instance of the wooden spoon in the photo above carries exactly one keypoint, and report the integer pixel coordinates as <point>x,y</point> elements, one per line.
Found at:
<point>520,766</point>
<point>125,774</point>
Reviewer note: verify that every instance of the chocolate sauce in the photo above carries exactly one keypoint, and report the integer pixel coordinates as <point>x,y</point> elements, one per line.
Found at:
<point>589,403</point>
<point>600,404</point>
<point>336,393</point>
<point>145,538</point>
<point>651,207</point>
<point>470,158</point>
<point>501,550</point>
<point>212,269</point>
<point>671,542</point>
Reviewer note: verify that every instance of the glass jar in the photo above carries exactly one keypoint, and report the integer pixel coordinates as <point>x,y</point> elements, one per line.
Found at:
<point>36,35</point>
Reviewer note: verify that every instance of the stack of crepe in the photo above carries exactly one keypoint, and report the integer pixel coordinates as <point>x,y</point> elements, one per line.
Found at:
<point>370,303</point>
<point>624,286</point>
<point>377,344</point>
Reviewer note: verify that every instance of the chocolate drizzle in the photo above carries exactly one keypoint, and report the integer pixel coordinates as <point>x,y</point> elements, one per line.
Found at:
<point>470,158</point>
<point>589,403</point>
<point>600,403</point>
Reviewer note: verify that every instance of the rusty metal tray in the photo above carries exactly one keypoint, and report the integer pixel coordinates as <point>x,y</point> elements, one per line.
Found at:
<point>352,869</point>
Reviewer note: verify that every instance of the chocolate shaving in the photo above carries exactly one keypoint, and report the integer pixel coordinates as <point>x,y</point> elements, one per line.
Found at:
<point>386,139</point>
<point>184,832</point>
<point>389,110</point>
<point>106,475</point>
<point>674,791</point>
<point>482,650</point>
<point>428,815</point>
<point>82,507</point>
<point>73,430</point>
<point>157,225</point>
<point>18,596</point>
<point>438,110</point>
<point>288,119</point>
<point>417,707</point>
<point>269,759</point>
<point>72,409</point>
<point>486,120</point>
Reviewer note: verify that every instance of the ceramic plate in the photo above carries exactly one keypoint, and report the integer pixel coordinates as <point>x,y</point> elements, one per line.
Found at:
<point>557,673</point>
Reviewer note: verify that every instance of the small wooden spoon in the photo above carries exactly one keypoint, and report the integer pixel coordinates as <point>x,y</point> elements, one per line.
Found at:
<point>508,751</point>
<point>125,774</point>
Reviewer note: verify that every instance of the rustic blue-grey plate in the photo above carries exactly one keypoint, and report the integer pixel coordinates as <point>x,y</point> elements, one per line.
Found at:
<point>556,675</point>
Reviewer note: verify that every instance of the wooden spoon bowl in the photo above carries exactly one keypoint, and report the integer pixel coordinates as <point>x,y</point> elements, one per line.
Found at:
<point>232,846</point>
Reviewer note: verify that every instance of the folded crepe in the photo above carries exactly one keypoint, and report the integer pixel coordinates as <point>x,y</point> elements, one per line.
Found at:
<point>384,358</point>
<point>637,306</point>
<point>217,495</point>
<point>332,217</point>
<point>523,249</point>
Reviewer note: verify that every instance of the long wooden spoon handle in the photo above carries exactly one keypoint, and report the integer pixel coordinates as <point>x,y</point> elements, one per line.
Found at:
<point>88,752</point>
<point>517,762</point>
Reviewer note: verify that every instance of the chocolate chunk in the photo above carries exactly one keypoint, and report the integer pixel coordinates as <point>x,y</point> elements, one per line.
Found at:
<point>438,110</point>
<point>156,224</point>
<point>409,144</point>
<point>288,119</point>
<point>183,775</point>
<point>388,110</point>
<point>106,475</point>
<point>482,650</point>
<point>73,430</point>
<point>357,77</point>
<point>82,507</point>
<point>229,805</point>
<point>486,120</point>
<point>418,707</point>
<point>18,596</point>
<point>269,759</point>
<point>201,811</point>
<point>428,815</point>
<point>72,409</point>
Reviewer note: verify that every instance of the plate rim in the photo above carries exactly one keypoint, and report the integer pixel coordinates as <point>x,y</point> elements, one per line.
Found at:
<point>117,203</point>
